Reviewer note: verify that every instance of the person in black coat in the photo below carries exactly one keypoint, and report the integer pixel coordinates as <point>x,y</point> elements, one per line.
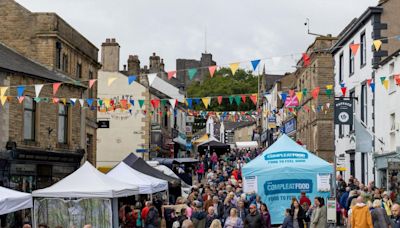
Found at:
<point>297,213</point>
<point>253,219</point>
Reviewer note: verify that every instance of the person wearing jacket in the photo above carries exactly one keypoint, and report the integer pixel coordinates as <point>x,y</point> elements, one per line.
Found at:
<point>379,216</point>
<point>360,216</point>
<point>211,216</point>
<point>297,212</point>
<point>288,221</point>
<point>319,219</point>
<point>253,219</point>
<point>199,216</point>
<point>265,215</point>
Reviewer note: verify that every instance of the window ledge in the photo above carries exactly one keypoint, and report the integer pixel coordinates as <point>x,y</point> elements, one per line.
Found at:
<point>62,146</point>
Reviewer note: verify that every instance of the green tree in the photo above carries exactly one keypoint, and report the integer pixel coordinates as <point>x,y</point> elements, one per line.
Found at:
<point>225,84</point>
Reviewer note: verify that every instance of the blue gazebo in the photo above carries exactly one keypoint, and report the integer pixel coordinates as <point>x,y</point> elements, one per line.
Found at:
<point>282,172</point>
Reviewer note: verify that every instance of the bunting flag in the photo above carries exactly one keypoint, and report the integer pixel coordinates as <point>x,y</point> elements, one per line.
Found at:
<point>238,100</point>
<point>91,83</point>
<point>299,96</point>
<point>206,101</point>
<point>131,79</point>
<point>81,102</point>
<point>231,99</point>
<point>155,103</point>
<point>3,98</point>
<point>397,79</point>
<point>369,82</point>
<point>38,88</point>
<point>212,69</point>
<point>73,101</point>
<point>243,98</point>
<point>234,67</point>
<point>163,103</point>
<point>377,44</point>
<point>20,91</point>
<point>305,92</point>
<point>56,86</point>
<point>21,99</point>
<point>372,87</point>
<point>328,105</point>
<point>253,98</point>
<point>100,102</point>
<point>89,101</point>
<point>255,63</point>
<point>55,100</point>
<point>110,81</point>
<point>171,74</point>
<point>189,102</point>
<point>382,79</point>
<point>124,103</point>
<point>192,72</point>
<point>197,100</point>
<point>386,84</point>
<point>107,102</point>
<point>37,99</point>
<point>342,85</point>
<point>344,89</point>
<point>306,60</point>
<point>132,102</point>
<point>219,99</point>
<point>173,102</point>
<point>313,108</point>
<point>283,97</point>
<point>141,103</point>
<point>291,92</point>
<point>315,92</point>
<point>329,89</point>
<point>354,48</point>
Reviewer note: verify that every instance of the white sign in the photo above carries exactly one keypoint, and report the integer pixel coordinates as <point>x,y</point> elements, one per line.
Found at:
<point>189,119</point>
<point>323,182</point>
<point>250,184</point>
<point>340,161</point>
<point>331,210</point>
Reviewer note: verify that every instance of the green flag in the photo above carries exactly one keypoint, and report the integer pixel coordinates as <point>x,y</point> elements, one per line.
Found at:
<point>383,80</point>
<point>231,99</point>
<point>238,100</point>
<point>163,102</point>
<point>141,103</point>
<point>304,92</point>
<point>192,72</point>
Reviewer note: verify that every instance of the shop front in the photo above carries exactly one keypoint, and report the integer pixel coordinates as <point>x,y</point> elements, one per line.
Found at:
<point>387,171</point>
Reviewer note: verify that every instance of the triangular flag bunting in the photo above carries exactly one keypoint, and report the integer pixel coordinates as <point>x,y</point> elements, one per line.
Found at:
<point>342,85</point>
<point>91,83</point>
<point>56,86</point>
<point>377,44</point>
<point>99,101</point>
<point>354,48</point>
<point>132,102</point>
<point>172,102</point>
<point>197,100</point>
<point>305,92</point>
<point>73,101</point>
<point>283,97</point>
<point>383,79</point>
<point>189,102</point>
<point>81,102</point>
<point>37,99</point>
<point>253,98</point>
<point>219,98</point>
<point>234,67</point>
<point>315,92</point>
<point>344,89</point>
<point>171,74</point>
<point>20,91</point>
<point>299,96</point>
<point>369,82</point>
<point>192,72</point>
<point>397,79</point>
<point>155,103</point>
<point>3,91</point>
<point>89,101</point>
<point>212,69</point>
<point>243,98</point>
<point>231,99</point>
<point>110,81</point>
<point>328,105</point>
<point>206,101</point>
<point>238,100</point>
<point>55,100</point>
<point>306,60</point>
<point>329,90</point>
<point>20,99</point>
<point>163,102</point>
<point>131,79</point>
<point>141,103</point>
<point>372,87</point>
<point>38,88</point>
<point>255,63</point>
<point>386,84</point>
<point>107,102</point>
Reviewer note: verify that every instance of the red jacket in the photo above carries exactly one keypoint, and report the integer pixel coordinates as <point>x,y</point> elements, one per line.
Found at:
<point>304,199</point>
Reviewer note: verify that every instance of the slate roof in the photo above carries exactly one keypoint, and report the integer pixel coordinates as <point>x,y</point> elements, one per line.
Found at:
<point>14,62</point>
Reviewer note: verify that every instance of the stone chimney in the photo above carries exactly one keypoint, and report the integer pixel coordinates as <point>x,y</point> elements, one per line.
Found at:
<point>154,63</point>
<point>133,65</point>
<point>110,55</point>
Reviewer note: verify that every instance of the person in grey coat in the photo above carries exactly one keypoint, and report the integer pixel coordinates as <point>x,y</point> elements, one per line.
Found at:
<point>319,218</point>
<point>379,216</point>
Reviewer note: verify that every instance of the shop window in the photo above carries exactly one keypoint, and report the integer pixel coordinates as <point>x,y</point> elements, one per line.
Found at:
<point>62,123</point>
<point>58,55</point>
<point>65,64</point>
<point>351,62</point>
<point>29,118</point>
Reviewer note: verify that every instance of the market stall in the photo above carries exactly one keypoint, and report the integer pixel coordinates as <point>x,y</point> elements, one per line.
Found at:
<point>86,196</point>
<point>11,201</point>
<point>246,145</point>
<point>282,172</point>
<point>214,146</point>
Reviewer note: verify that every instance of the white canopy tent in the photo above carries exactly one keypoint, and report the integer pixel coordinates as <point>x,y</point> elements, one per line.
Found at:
<point>210,139</point>
<point>147,184</point>
<point>11,201</point>
<point>248,144</point>
<point>88,182</point>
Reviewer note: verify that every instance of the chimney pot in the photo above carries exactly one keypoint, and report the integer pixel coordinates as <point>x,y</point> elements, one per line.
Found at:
<point>154,54</point>
<point>108,40</point>
<point>112,40</point>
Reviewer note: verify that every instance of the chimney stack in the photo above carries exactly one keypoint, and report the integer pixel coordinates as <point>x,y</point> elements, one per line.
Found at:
<point>133,65</point>
<point>110,55</point>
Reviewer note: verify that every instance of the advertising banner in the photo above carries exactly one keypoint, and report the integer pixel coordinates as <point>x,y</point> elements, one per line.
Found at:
<point>291,102</point>
<point>343,112</point>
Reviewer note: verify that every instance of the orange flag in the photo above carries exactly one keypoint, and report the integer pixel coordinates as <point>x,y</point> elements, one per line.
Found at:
<point>171,74</point>
<point>253,98</point>
<point>354,48</point>
<point>212,70</point>
<point>55,87</point>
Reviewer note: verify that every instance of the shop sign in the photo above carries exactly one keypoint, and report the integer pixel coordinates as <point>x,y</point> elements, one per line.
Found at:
<point>290,126</point>
<point>344,112</point>
<point>271,122</point>
<point>189,119</point>
<point>103,124</point>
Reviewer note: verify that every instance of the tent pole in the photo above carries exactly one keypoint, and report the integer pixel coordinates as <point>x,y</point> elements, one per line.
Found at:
<point>115,212</point>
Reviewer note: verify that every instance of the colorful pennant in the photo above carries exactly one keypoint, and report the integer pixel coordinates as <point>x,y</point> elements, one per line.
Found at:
<point>171,74</point>
<point>377,44</point>
<point>253,98</point>
<point>192,72</point>
<point>56,86</point>
<point>131,79</point>
<point>110,81</point>
<point>219,99</point>
<point>20,91</point>
<point>212,69</point>
<point>354,48</point>
<point>206,101</point>
<point>315,92</point>
<point>299,96</point>
<point>38,88</point>
<point>306,60</point>
<point>255,63</point>
<point>234,67</point>
<point>141,103</point>
<point>91,83</point>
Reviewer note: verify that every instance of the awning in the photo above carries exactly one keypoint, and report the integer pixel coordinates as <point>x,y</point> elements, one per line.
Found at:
<point>180,141</point>
<point>201,139</point>
<point>11,201</point>
<point>249,144</point>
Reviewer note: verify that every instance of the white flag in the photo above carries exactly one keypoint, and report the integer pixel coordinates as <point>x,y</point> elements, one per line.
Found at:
<point>38,88</point>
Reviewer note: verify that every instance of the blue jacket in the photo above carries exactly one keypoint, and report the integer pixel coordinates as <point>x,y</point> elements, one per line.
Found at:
<point>343,200</point>
<point>288,222</point>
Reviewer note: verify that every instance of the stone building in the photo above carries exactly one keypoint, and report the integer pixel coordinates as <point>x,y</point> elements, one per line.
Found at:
<point>315,124</point>
<point>48,42</point>
<point>182,65</point>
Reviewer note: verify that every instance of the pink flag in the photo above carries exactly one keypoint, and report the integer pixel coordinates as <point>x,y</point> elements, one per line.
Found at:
<point>91,82</point>
<point>212,70</point>
<point>55,87</point>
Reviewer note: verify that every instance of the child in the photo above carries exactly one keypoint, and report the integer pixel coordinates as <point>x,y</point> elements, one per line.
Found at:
<point>288,221</point>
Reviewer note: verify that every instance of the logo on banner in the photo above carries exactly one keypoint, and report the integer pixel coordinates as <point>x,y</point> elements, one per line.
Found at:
<point>286,155</point>
<point>288,186</point>
<point>292,102</point>
<point>343,112</point>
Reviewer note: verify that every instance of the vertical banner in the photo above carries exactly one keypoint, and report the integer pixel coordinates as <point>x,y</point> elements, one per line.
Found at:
<point>344,112</point>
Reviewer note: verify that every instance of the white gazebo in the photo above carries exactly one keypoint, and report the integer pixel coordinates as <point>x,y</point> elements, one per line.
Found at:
<point>11,201</point>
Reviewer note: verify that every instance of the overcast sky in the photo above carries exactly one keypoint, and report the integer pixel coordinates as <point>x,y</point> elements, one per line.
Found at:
<point>237,30</point>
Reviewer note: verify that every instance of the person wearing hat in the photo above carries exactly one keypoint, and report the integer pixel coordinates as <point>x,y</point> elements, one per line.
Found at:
<point>253,219</point>
<point>199,216</point>
<point>387,203</point>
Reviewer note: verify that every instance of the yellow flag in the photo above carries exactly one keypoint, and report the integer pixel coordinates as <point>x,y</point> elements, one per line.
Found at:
<point>64,101</point>
<point>377,44</point>
<point>3,98</point>
<point>329,87</point>
<point>206,101</point>
<point>386,84</point>
<point>313,108</point>
<point>107,102</point>
<point>111,80</point>
<point>234,67</point>
<point>299,95</point>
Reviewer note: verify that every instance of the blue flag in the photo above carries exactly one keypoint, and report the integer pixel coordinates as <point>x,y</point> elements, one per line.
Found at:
<point>283,96</point>
<point>20,90</point>
<point>372,85</point>
<point>255,63</point>
<point>190,102</point>
<point>132,102</point>
<point>89,101</point>
<point>131,79</point>
<point>197,100</point>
